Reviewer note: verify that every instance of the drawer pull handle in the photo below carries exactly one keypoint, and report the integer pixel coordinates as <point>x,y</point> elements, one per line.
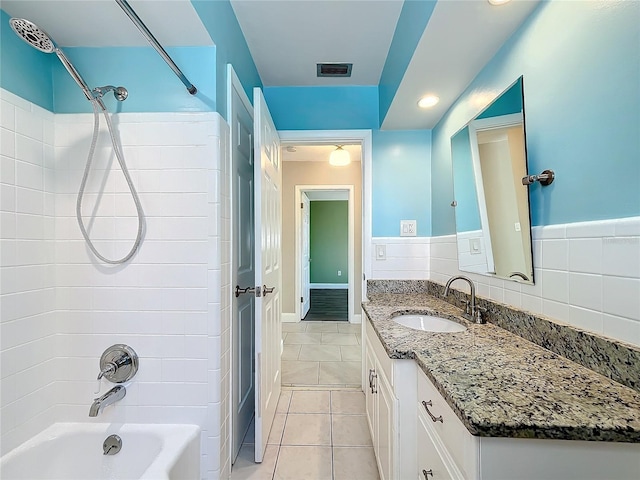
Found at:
<point>372,380</point>
<point>426,406</point>
<point>426,473</point>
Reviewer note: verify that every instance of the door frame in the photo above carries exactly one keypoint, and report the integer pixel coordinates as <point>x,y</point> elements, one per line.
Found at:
<point>350,189</point>
<point>333,137</point>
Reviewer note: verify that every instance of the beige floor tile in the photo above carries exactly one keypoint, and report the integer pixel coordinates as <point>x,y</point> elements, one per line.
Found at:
<point>303,338</point>
<point>308,429</point>
<point>245,467</point>
<point>340,373</point>
<point>351,353</point>
<point>343,402</point>
<point>345,327</point>
<point>354,463</point>
<point>310,402</point>
<point>277,428</point>
<point>291,352</point>
<point>304,463</point>
<point>284,401</point>
<point>321,327</point>
<point>338,339</point>
<point>297,327</point>
<point>320,353</point>
<point>300,373</point>
<point>350,430</point>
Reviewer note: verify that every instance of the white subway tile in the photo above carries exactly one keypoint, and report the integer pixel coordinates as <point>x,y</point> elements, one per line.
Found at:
<point>531,303</point>
<point>29,150</point>
<point>585,255</point>
<point>626,227</point>
<point>621,256</point>
<point>555,285</point>
<point>554,254</point>
<point>623,329</point>
<point>622,297</point>
<point>595,229</point>
<point>585,291</point>
<point>7,115</point>
<point>7,142</point>
<point>556,310</point>
<point>586,319</point>
<point>29,125</point>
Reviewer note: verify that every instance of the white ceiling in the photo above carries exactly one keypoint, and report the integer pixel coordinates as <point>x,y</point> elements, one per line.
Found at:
<point>102,23</point>
<point>461,37</point>
<point>288,38</point>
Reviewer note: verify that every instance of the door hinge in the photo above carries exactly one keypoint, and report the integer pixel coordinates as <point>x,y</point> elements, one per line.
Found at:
<point>301,205</point>
<point>301,299</point>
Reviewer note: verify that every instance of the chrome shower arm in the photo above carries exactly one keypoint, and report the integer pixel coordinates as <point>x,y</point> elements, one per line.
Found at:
<point>79,80</point>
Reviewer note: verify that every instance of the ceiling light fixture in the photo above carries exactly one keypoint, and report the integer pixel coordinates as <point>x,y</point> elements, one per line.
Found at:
<point>498,2</point>
<point>428,101</point>
<point>339,157</point>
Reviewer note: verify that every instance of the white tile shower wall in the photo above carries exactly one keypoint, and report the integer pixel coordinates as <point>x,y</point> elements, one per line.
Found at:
<point>27,301</point>
<point>587,274</point>
<point>406,258</point>
<point>165,302</point>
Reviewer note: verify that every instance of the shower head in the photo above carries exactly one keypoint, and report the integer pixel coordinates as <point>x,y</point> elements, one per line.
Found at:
<point>33,35</point>
<point>40,40</point>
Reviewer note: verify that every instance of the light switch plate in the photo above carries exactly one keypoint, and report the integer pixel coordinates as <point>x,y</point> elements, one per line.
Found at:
<point>408,228</point>
<point>381,252</point>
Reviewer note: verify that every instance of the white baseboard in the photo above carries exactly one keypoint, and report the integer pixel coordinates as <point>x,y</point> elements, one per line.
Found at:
<point>332,286</point>
<point>289,318</point>
<point>357,318</point>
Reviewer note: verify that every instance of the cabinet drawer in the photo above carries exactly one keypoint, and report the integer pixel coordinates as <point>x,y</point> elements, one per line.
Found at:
<point>459,443</point>
<point>380,353</point>
<point>431,466</point>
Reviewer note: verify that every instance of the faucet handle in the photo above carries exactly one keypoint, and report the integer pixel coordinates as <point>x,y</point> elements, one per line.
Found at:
<point>118,363</point>
<point>478,314</point>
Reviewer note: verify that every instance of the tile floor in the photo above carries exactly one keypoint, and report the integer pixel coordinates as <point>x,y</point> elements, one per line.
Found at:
<point>322,354</point>
<point>316,435</point>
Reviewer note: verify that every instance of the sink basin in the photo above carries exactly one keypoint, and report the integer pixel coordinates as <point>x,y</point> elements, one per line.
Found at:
<point>429,323</point>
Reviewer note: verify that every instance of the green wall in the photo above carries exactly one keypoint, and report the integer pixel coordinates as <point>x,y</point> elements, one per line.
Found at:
<point>329,237</point>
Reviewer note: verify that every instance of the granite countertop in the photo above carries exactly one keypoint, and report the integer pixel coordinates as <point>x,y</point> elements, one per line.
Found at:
<point>501,385</point>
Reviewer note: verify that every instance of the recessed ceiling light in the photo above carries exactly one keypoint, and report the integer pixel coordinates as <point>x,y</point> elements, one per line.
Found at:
<point>428,101</point>
<point>498,2</point>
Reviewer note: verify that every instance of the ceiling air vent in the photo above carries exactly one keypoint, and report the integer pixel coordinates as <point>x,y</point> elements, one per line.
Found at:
<point>334,69</point>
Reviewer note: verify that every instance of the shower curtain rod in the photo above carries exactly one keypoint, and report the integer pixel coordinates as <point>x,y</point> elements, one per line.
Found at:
<point>155,44</point>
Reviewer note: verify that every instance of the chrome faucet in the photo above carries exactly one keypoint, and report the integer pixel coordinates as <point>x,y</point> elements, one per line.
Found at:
<point>475,310</point>
<point>112,396</point>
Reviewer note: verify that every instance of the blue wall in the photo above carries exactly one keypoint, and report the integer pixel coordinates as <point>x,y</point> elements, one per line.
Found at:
<point>401,159</point>
<point>220,21</point>
<point>323,108</point>
<point>152,86</point>
<point>581,87</point>
<point>413,20</point>
<point>466,212</point>
<point>401,183</point>
<point>24,70</point>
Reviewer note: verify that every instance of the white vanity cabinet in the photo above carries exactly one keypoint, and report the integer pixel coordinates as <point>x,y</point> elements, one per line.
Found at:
<point>446,450</point>
<point>390,402</point>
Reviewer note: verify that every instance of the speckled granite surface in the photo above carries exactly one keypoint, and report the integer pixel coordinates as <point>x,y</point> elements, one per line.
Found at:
<point>613,359</point>
<point>501,385</point>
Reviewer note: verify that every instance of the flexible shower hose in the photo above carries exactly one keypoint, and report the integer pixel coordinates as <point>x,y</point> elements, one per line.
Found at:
<point>125,171</point>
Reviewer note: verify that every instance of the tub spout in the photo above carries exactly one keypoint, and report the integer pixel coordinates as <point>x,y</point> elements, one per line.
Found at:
<point>116,393</point>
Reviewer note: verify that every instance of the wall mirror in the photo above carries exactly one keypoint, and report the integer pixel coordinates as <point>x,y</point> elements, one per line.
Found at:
<point>493,226</point>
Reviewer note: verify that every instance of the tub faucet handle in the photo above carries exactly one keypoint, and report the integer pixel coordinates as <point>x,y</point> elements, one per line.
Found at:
<point>107,370</point>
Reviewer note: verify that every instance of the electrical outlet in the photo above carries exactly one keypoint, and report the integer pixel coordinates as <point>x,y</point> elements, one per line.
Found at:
<point>339,273</point>
<point>408,228</point>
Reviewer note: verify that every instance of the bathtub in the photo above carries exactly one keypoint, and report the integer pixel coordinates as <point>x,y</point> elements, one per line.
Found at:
<point>73,451</point>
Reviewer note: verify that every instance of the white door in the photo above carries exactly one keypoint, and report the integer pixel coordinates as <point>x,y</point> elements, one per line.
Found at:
<point>306,260</point>
<point>243,308</point>
<point>268,261</point>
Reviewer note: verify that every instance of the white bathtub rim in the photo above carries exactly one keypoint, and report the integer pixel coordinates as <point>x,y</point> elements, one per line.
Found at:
<point>174,440</point>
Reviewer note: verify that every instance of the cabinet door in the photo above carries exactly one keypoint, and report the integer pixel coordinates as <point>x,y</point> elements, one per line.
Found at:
<point>386,428</point>
<point>430,463</point>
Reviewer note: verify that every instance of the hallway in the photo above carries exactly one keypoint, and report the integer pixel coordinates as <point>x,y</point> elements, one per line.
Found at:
<point>322,354</point>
